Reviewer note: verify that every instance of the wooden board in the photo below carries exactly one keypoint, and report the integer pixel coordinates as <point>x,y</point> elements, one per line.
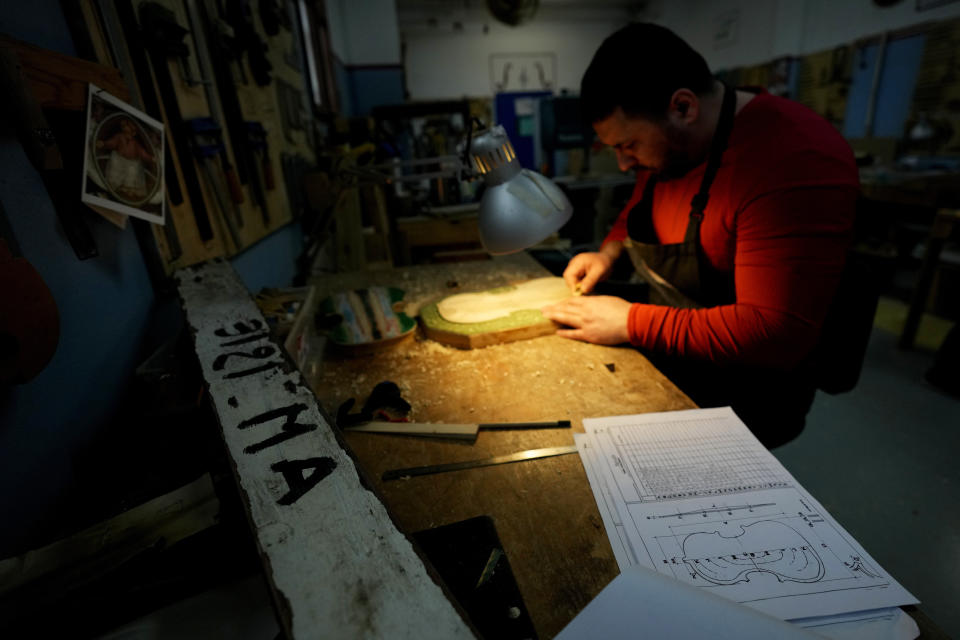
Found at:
<point>544,511</point>
<point>162,521</point>
<point>60,81</point>
<point>337,565</point>
<point>494,316</point>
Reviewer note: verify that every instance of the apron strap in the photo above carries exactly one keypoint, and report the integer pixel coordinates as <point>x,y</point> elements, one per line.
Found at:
<point>717,146</point>
<point>640,220</point>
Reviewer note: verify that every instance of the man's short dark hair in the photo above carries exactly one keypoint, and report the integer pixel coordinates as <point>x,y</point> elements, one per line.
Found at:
<point>638,69</point>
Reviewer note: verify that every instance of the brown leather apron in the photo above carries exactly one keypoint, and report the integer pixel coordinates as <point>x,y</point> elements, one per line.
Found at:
<point>679,274</point>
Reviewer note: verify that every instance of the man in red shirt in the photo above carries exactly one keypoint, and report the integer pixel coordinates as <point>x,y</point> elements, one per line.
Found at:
<point>740,222</point>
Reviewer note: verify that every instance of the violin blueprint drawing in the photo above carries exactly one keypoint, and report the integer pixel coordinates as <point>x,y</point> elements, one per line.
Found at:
<point>694,495</point>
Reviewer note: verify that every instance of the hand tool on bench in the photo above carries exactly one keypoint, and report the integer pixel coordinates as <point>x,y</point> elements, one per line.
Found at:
<point>446,430</point>
<point>520,456</point>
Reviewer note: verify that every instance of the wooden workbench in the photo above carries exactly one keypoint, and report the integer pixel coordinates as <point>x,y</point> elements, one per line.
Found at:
<point>544,510</point>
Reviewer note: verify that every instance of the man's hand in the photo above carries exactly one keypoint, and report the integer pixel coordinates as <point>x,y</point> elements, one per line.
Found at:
<point>585,270</point>
<point>597,319</point>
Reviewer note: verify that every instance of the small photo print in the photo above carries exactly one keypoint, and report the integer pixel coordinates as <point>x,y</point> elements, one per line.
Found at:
<point>123,162</point>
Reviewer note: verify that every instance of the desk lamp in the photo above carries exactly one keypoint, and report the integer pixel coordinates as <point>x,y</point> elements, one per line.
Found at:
<point>519,207</point>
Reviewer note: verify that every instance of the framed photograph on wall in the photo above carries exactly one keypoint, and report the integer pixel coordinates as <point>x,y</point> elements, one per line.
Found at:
<point>123,161</point>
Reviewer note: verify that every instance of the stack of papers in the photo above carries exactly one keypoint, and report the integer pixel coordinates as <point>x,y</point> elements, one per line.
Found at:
<point>694,496</point>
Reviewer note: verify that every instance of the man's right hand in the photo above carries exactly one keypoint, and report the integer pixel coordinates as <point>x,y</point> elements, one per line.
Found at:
<point>585,270</point>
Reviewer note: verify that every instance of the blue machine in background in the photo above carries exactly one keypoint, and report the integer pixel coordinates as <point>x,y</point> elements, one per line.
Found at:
<point>519,114</point>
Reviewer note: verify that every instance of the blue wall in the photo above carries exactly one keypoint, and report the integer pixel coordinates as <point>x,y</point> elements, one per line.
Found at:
<point>373,86</point>
<point>272,261</point>
<point>344,89</point>
<point>363,88</point>
<point>109,321</point>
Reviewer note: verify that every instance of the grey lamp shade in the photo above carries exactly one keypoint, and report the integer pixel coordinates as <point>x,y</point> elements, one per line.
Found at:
<point>519,207</point>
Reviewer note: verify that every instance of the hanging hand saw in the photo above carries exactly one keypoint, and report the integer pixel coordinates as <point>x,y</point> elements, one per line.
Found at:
<point>163,38</point>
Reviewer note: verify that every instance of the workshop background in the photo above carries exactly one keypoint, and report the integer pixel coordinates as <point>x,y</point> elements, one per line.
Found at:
<point>72,448</point>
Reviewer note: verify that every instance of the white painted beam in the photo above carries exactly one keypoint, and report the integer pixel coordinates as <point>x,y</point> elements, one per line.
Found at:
<point>337,564</point>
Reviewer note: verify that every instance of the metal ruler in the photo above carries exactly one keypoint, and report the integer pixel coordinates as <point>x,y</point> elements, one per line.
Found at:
<point>529,454</point>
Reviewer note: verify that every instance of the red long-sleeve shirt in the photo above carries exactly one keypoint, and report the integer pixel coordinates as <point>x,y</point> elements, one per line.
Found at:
<point>780,217</point>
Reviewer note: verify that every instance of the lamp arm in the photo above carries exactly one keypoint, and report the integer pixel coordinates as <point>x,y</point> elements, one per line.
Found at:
<point>466,173</point>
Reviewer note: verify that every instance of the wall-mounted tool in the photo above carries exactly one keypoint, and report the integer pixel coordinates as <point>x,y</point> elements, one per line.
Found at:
<point>211,126</point>
<point>271,17</point>
<point>294,56</point>
<point>295,169</point>
<point>207,132</point>
<point>148,94</point>
<point>257,143</point>
<point>160,26</point>
<point>163,37</point>
<point>207,146</point>
<point>239,16</point>
<point>223,46</point>
<point>292,110</point>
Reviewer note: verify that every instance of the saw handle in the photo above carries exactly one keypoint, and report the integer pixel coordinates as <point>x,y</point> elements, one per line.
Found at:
<point>268,180</point>
<point>233,184</point>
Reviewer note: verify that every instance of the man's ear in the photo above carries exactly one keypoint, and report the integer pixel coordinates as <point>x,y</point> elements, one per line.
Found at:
<point>684,107</point>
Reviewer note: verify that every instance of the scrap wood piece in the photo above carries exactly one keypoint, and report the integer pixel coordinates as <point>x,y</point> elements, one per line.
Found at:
<point>336,563</point>
<point>166,519</point>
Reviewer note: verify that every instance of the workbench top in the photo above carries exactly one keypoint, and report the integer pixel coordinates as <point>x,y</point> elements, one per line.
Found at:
<point>544,510</point>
